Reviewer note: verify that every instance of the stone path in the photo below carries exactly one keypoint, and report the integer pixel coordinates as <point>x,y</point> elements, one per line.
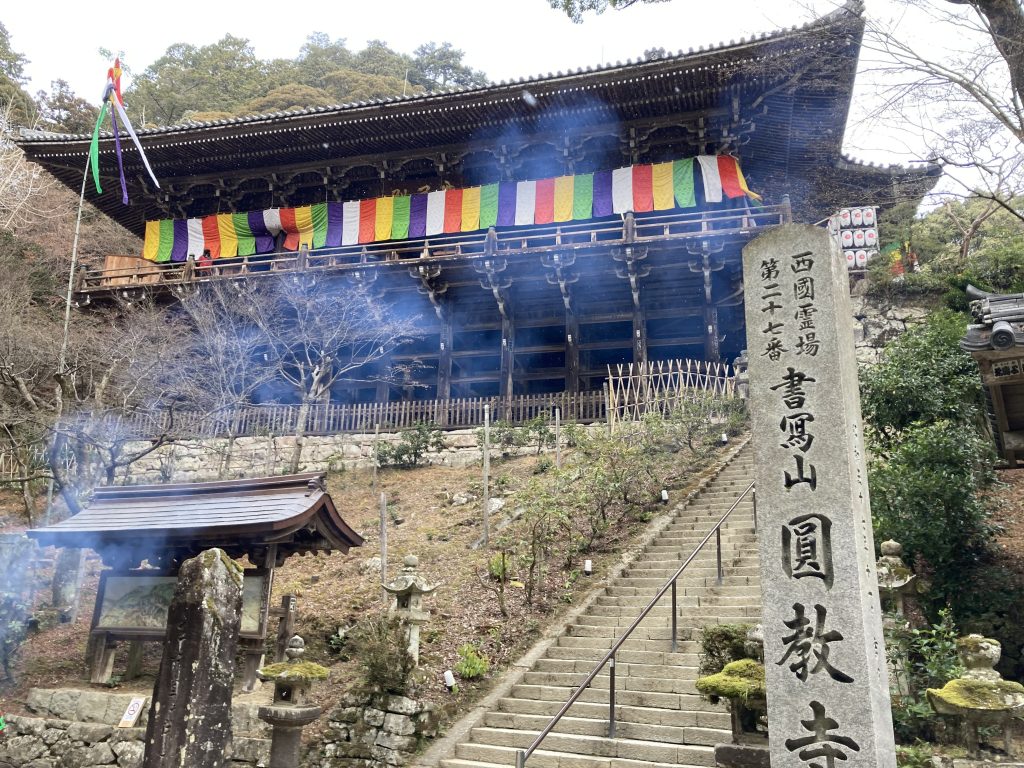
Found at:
<point>661,720</point>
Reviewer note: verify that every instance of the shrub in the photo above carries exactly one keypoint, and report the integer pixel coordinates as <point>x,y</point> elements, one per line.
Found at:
<point>923,377</point>
<point>497,566</point>
<point>379,645</point>
<point>411,446</point>
<point>925,494</point>
<point>926,658</point>
<point>721,644</point>
<point>471,664</point>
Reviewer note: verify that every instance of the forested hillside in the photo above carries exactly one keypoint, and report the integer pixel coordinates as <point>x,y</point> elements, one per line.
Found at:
<point>228,79</point>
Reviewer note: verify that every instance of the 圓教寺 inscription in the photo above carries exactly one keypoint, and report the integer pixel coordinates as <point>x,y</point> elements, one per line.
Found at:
<point>822,623</point>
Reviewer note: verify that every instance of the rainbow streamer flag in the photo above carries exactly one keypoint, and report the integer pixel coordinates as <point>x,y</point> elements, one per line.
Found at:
<point>637,188</point>
<point>114,104</point>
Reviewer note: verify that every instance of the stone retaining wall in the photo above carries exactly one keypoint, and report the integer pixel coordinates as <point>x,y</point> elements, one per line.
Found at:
<point>76,729</point>
<point>381,733</point>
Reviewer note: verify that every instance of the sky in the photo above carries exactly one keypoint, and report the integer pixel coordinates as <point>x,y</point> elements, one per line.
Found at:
<point>507,39</point>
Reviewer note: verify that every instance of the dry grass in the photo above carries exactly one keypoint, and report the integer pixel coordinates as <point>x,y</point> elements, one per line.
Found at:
<point>335,591</point>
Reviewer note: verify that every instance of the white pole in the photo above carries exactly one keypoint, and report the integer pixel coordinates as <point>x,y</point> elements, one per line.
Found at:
<point>487,473</point>
<point>384,541</point>
<point>558,438</point>
<point>62,359</point>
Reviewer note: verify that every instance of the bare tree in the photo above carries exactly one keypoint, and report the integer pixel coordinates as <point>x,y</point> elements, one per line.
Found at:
<point>318,331</point>
<point>966,99</point>
<point>224,366</point>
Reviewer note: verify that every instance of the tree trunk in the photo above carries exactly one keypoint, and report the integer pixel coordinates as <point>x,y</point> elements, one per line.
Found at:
<point>300,435</point>
<point>67,574</point>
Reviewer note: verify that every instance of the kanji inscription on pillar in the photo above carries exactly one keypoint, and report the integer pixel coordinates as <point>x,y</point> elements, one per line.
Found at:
<point>828,694</point>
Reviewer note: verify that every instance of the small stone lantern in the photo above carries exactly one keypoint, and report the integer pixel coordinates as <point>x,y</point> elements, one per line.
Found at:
<point>290,712</point>
<point>895,580</point>
<point>408,588</point>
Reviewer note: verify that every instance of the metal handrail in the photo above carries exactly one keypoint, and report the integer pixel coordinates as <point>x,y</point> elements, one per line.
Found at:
<point>522,755</point>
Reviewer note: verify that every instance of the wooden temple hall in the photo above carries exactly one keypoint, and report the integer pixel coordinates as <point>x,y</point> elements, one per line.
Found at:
<point>543,229</point>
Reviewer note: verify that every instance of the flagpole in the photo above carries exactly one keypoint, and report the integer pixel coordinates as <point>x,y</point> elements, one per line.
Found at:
<point>62,359</point>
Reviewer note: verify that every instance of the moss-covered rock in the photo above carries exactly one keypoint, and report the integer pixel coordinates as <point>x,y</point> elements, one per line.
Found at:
<point>958,696</point>
<point>289,671</point>
<point>743,679</point>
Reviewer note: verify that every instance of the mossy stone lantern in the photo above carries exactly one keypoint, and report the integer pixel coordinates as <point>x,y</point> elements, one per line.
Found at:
<point>290,712</point>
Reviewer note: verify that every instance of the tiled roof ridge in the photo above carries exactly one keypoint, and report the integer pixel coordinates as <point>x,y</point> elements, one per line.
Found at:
<point>851,9</point>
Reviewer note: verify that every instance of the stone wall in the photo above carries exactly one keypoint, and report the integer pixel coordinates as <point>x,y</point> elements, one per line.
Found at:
<point>76,729</point>
<point>379,733</point>
<point>876,323</point>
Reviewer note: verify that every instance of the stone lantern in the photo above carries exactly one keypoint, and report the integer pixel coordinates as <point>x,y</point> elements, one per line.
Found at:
<point>290,711</point>
<point>895,580</point>
<point>408,589</point>
<point>980,697</point>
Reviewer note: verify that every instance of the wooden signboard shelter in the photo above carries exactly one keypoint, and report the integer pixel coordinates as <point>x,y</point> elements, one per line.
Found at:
<point>159,526</point>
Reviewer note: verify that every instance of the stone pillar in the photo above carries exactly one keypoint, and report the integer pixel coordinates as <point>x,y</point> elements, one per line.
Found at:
<point>828,691</point>
<point>190,718</point>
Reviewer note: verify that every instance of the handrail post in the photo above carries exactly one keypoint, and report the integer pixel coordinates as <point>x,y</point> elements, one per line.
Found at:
<point>520,758</point>
<point>753,499</point>
<point>611,698</point>
<point>718,546</point>
<point>673,616</point>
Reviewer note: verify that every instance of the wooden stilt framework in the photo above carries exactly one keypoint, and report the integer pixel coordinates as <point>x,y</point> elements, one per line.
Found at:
<point>660,386</point>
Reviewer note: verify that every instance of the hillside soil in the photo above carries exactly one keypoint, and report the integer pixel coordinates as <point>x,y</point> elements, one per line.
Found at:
<point>425,518</point>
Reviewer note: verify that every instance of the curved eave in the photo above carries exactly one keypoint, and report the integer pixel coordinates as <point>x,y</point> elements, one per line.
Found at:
<point>714,57</point>
<point>807,72</point>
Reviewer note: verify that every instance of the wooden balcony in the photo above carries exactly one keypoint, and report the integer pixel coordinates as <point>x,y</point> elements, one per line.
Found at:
<point>127,275</point>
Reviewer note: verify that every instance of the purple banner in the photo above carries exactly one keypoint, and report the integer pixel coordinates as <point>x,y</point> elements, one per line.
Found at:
<point>507,204</point>
<point>418,216</point>
<point>602,194</point>
<point>333,224</point>
<point>179,248</point>
<point>264,240</point>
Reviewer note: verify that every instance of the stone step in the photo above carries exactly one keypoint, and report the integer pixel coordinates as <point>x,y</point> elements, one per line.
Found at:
<point>702,582</point>
<point>634,643</point>
<point>683,601</point>
<point>663,610</point>
<point>685,617</point>
<point>675,702</point>
<point>570,666</point>
<point>544,759</point>
<point>490,743</point>
<point>570,680</point>
<point>627,656</point>
<point>599,711</point>
<point>684,589</point>
<point>624,729</point>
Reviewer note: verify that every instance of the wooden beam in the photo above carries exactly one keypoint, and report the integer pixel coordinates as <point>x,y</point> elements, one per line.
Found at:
<point>572,352</point>
<point>508,349</point>
<point>444,360</point>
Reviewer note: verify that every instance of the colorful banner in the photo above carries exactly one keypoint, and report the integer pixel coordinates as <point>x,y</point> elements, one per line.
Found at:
<point>638,188</point>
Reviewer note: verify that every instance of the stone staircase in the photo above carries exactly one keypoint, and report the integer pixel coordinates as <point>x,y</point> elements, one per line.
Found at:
<point>661,720</point>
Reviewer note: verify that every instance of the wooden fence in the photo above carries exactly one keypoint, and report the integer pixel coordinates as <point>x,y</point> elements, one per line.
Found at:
<point>661,386</point>
<point>338,418</point>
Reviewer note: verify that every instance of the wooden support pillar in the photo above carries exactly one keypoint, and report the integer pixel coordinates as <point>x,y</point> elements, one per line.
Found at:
<point>639,334</point>
<point>444,358</point>
<point>572,352</point>
<point>383,393</point>
<point>711,334</point>
<point>507,363</point>
<point>102,666</point>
